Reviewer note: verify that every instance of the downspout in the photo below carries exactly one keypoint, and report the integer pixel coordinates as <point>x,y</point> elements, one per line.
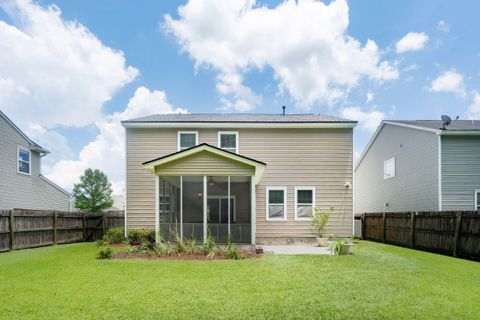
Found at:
<point>439,135</point>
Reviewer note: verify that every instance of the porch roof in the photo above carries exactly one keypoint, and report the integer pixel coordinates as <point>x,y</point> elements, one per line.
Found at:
<point>204,149</point>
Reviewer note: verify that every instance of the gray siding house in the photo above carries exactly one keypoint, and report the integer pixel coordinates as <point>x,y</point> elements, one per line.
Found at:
<point>21,183</point>
<point>255,177</point>
<point>416,165</point>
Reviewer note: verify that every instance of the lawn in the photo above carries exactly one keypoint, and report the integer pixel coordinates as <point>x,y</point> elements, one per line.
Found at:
<point>376,282</point>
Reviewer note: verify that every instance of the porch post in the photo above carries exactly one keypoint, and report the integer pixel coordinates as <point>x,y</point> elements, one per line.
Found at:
<point>181,207</point>
<point>253,207</point>
<point>228,205</point>
<point>157,208</point>
<point>205,230</point>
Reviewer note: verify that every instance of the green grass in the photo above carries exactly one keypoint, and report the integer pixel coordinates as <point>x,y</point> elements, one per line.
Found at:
<point>377,282</point>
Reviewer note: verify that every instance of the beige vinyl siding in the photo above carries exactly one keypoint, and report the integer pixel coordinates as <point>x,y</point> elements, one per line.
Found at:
<point>20,190</point>
<point>460,171</point>
<point>205,163</point>
<point>415,185</point>
<point>321,158</point>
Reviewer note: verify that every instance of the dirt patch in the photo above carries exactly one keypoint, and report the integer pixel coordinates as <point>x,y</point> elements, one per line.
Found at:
<point>180,256</point>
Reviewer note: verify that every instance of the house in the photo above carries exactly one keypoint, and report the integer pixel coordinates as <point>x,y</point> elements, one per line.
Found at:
<point>419,166</point>
<point>21,183</point>
<point>255,177</point>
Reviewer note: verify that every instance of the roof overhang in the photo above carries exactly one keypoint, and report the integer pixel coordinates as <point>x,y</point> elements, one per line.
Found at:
<point>128,124</point>
<point>257,165</point>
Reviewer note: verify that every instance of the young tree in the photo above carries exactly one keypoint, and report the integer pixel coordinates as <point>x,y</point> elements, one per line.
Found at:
<point>94,192</point>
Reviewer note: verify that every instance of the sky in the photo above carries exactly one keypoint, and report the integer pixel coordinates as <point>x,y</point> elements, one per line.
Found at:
<point>70,71</point>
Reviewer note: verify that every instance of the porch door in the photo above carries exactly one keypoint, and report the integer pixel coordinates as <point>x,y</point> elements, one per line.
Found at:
<point>217,216</point>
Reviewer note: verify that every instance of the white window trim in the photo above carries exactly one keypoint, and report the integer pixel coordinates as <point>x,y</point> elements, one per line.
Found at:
<point>186,132</point>
<point>267,199</point>
<point>394,168</point>
<point>29,162</point>
<point>237,142</point>
<point>476,194</point>
<point>296,203</point>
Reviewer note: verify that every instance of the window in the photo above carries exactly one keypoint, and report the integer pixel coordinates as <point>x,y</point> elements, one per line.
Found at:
<point>477,200</point>
<point>276,203</point>
<point>187,139</point>
<point>228,140</point>
<point>389,168</point>
<point>304,202</point>
<point>23,160</point>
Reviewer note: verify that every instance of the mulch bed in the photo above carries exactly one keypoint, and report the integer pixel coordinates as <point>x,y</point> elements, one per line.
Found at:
<point>180,256</point>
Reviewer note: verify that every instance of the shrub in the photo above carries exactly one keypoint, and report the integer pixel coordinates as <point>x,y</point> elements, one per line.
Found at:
<point>231,251</point>
<point>209,247</point>
<point>338,247</point>
<point>104,253</point>
<point>114,235</point>
<point>142,237</point>
<point>319,220</point>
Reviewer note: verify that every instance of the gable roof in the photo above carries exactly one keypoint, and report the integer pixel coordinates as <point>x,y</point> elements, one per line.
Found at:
<point>457,127</point>
<point>259,165</point>
<point>237,119</point>
<point>33,145</point>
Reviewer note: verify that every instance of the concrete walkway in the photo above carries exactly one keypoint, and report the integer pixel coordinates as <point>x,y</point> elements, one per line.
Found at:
<point>295,249</point>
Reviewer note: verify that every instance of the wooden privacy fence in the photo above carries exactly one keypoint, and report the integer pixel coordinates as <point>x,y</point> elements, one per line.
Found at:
<point>455,233</point>
<point>20,229</point>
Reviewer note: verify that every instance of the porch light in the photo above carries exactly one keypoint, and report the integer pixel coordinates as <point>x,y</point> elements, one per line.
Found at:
<point>199,194</point>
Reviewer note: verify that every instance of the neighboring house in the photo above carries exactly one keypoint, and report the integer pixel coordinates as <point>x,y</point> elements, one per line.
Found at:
<point>416,165</point>
<point>21,183</point>
<point>256,177</point>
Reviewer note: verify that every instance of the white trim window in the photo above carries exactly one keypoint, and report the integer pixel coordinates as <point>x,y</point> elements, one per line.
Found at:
<point>304,202</point>
<point>228,141</point>
<point>389,168</point>
<point>24,159</point>
<point>476,206</point>
<point>276,199</point>
<point>187,139</point>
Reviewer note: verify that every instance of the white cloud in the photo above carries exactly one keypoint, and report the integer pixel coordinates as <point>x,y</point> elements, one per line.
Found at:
<point>55,72</point>
<point>305,43</point>
<point>443,26</point>
<point>53,141</point>
<point>449,81</point>
<point>474,109</point>
<point>366,120</point>
<point>412,41</point>
<point>370,97</point>
<point>107,151</point>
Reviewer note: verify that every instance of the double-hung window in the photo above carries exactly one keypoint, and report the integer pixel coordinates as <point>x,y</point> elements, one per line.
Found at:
<point>304,202</point>
<point>276,203</point>
<point>24,157</point>
<point>187,139</point>
<point>389,168</point>
<point>228,140</point>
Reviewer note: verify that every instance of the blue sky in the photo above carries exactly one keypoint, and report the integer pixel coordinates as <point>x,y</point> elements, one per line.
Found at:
<point>201,61</point>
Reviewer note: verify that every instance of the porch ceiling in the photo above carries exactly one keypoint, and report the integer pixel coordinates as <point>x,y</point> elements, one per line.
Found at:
<point>205,159</point>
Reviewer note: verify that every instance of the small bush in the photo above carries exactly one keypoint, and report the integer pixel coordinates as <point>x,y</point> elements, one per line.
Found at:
<point>115,235</point>
<point>100,243</point>
<point>142,237</point>
<point>104,253</point>
<point>209,248</point>
<point>231,251</point>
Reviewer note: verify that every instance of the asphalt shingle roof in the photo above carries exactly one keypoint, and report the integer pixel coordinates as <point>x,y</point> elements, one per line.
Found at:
<point>455,125</point>
<point>239,117</point>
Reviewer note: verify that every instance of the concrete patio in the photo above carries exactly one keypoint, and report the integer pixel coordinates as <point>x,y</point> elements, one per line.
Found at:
<point>295,249</point>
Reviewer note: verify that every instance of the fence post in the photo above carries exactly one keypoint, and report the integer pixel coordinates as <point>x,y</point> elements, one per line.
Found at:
<point>363,226</point>
<point>12,230</point>
<point>412,229</point>
<point>84,227</point>
<point>104,220</point>
<point>384,221</point>
<point>457,233</point>
<point>55,227</point>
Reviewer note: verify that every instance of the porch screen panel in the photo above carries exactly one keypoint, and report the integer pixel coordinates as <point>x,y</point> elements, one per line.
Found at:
<point>192,201</point>
<point>169,206</point>
<point>217,207</point>
<point>241,217</point>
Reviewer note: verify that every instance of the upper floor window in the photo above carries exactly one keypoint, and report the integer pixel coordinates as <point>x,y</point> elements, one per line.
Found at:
<point>304,202</point>
<point>228,140</point>
<point>187,139</point>
<point>389,168</point>
<point>24,157</point>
